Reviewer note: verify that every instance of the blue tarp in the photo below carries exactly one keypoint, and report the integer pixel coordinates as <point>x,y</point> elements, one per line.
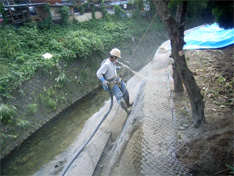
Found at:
<point>118,3</point>
<point>209,36</point>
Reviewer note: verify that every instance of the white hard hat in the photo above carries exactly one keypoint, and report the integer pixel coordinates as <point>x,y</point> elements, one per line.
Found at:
<point>116,52</point>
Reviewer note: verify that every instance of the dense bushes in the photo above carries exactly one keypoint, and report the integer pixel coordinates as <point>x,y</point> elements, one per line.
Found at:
<point>22,48</point>
<point>83,43</point>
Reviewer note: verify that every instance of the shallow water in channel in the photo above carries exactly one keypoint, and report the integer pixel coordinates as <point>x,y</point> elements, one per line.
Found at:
<point>54,137</point>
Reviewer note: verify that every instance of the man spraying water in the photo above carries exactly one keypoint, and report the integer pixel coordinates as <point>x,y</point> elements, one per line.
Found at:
<point>108,75</point>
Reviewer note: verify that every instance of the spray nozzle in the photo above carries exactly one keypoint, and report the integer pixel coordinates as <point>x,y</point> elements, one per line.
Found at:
<point>122,64</point>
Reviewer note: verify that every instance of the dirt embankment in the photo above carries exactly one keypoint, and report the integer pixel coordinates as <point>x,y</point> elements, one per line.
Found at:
<point>209,149</point>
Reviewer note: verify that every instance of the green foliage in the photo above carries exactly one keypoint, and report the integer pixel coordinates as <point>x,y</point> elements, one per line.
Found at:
<point>103,9</point>
<point>64,14</point>
<point>9,123</point>
<point>231,169</point>
<point>220,80</point>
<point>48,102</point>
<point>118,11</point>
<point>83,43</point>
<point>51,92</point>
<point>22,48</point>
<point>51,103</point>
<point>152,8</point>
<point>32,41</point>
<point>93,12</point>
<point>47,22</point>
<point>82,10</point>
<point>48,98</point>
<point>4,137</point>
<point>61,99</point>
<point>223,13</point>
<point>32,108</point>
<point>2,11</point>
<point>3,70</point>
<point>7,113</point>
<point>22,124</point>
<point>2,8</point>
<point>9,44</point>
<point>83,75</point>
<point>194,8</point>
<point>61,78</point>
<point>140,4</point>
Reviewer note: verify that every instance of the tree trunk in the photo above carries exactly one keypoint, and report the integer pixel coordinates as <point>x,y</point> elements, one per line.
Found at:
<point>176,34</point>
<point>178,84</point>
<point>180,14</point>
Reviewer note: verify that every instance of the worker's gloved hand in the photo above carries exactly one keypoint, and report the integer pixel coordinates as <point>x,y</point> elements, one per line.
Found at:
<point>125,66</point>
<point>104,82</point>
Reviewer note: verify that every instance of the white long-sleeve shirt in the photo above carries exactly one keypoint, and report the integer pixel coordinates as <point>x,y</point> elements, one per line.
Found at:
<point>108,69</point>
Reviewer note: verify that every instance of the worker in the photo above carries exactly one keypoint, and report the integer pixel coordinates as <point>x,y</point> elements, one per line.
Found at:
<point>108,75</point>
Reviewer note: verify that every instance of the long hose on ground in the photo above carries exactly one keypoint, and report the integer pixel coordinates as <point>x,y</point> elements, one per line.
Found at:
<point>104,117</point>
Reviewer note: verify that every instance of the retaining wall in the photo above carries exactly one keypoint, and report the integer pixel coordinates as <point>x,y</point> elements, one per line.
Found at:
<point>50,96</point>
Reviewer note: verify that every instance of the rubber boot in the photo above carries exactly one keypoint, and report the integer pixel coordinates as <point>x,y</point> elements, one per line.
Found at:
<point>124,106</point>
<point>127,102</point>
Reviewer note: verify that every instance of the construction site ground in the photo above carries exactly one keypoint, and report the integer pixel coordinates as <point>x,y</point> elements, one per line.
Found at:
<point>158,137</point>
<point>209,149</point>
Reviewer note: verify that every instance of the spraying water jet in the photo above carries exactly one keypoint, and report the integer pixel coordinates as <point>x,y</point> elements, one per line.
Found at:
<point>127,67</point>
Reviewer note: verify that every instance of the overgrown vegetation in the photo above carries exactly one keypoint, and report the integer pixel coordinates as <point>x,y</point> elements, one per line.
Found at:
<point>22,51</point>
<point>194,8</point>
<point>47,22</point>
<point>223,13</point>
<point>118,11</point>
<point>9,122</point>
<point>64,14</point>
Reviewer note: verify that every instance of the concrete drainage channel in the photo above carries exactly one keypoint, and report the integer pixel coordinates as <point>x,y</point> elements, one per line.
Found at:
<point>53,138</point>
<point>143,143</point>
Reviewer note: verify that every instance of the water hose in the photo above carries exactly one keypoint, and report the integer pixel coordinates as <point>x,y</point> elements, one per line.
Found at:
<point>110,92</point>
<point>104,117</point>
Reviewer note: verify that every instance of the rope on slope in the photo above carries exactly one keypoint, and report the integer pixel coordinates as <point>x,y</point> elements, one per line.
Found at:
<point>143,36</point>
